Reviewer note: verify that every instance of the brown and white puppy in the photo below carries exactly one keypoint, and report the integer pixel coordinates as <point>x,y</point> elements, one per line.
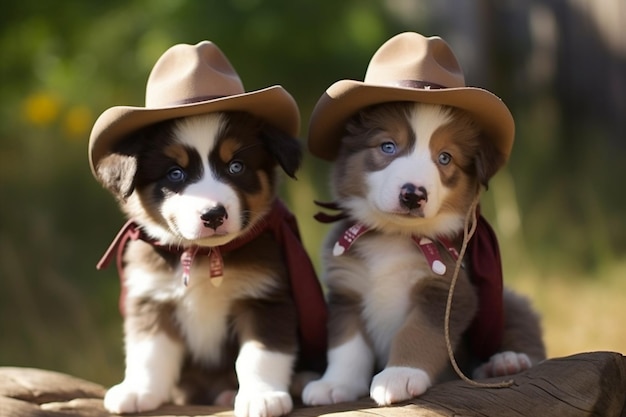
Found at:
<point>204,181</point>
<point>407,170</point>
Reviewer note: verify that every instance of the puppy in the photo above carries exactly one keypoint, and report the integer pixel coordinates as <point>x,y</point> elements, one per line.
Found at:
<point>206,285</point>
<point>405,178</point>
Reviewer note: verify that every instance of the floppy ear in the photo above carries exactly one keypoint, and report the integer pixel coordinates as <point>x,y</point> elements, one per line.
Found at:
<point>116,172</point>
<point>285,149</point>
<point>488,160</point>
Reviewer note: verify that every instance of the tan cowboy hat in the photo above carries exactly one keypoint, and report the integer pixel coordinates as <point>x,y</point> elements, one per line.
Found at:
<point>408,67</point>
<point>189,80</point>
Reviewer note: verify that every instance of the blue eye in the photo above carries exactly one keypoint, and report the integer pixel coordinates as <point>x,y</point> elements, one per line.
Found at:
<point>176,174</point>
<point>388,147</point>
<point>445,158</point>
<point>236,167</point>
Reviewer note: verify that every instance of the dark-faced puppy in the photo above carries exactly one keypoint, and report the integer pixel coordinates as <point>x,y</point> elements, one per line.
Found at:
<point>406,176</point>
<point>207,288</point>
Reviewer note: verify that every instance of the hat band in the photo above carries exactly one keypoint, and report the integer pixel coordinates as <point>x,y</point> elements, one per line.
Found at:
<point>195,100</point>
<point>422,85</point>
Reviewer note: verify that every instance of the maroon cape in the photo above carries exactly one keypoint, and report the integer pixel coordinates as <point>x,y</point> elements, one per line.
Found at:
<point>487,329</point>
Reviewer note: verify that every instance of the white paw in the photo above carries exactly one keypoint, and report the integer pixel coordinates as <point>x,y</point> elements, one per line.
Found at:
<point>129,398</point>
<point>323,392</point>
<point>398,383</point>
<point>503,364</point>
<point>262,404</point>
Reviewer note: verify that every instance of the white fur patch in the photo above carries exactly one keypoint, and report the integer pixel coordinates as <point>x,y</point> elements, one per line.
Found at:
<point>152,369</point>
<point>203,311</point>
<point>202,315</point>
<point>426,119</point>
<point>347,376</point>
<point>183,211</point>
<point>145,283</point>
<point>415,168</point>
<point>395,266</point>
<point>200,132</point>
<point>264,378</point>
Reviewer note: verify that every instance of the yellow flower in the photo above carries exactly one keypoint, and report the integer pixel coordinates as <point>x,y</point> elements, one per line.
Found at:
<point>78,121</point>
<point>41,109</point>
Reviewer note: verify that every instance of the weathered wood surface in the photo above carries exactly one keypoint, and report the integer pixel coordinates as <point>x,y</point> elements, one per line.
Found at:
<point>587,384</point>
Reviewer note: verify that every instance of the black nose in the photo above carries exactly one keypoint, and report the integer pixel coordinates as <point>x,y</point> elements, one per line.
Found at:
<point>214,217</point>
<point>411,196</point>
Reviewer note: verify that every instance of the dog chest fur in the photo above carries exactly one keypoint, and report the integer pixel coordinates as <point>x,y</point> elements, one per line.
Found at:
<point>383,271</point>
<point>202,312</point>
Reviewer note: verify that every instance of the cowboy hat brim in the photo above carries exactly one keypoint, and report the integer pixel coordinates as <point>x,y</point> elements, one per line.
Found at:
<point>345,98</point>
<point>272,104</point>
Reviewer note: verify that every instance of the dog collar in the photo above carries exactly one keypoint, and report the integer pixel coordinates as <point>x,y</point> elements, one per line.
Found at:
<point>132,231</point>
<point>428,247</point>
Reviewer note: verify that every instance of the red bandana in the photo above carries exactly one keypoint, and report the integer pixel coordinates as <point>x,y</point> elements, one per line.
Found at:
<point>486,330</point>
<point>305,287</point>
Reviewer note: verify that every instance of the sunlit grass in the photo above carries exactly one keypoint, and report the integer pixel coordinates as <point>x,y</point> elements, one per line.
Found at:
<point>580,313</point>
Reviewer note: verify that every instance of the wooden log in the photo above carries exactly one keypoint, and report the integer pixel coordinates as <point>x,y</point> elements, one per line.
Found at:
<point>586,384</point>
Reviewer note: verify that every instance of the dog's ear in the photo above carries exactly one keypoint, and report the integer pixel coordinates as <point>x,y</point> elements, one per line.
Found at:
<point>285,149</point>
<point>116,172</point>
<point>487,160</point>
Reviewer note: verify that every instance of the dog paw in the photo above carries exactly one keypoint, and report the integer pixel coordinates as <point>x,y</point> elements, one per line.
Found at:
<point>323,392</point>
<point>126,398</point>
<point>262,404</point>
<point>503,364</point>
<point>398,383</point>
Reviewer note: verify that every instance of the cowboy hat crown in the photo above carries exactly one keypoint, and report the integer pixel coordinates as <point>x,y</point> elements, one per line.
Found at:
<point>408,67</point>
<point>189,80</point>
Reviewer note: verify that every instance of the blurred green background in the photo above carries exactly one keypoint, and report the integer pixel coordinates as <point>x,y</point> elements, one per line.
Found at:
<point>559,206</point>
